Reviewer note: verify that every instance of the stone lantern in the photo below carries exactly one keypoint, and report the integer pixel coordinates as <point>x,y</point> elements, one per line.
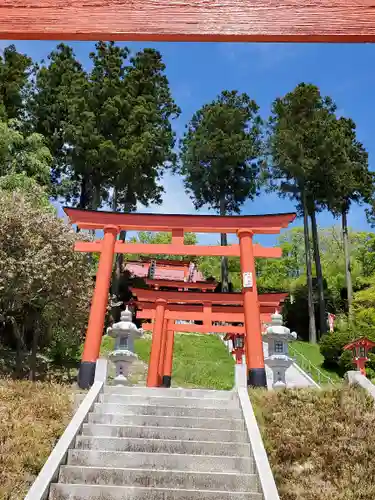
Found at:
<point>124,332</point>
<point>277,337</point>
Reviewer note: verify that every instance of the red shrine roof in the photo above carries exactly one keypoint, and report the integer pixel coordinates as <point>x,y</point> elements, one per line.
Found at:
<point>363,341</point>
<point>162,272</point>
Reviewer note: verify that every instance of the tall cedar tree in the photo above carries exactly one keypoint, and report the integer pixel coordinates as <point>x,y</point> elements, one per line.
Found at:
<point>350,182</point>
<point>218,157</point>
<point>57,86</point>
<point>301,135</point>
<point>109,128</point>
<point>15,69</point>
<point>145,138</point>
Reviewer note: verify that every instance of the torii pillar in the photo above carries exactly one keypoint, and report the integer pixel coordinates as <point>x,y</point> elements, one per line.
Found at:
<point>98,309</point>
<point>256,373</point>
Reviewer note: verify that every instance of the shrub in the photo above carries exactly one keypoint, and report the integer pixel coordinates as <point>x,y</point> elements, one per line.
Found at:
<point>332,344</point>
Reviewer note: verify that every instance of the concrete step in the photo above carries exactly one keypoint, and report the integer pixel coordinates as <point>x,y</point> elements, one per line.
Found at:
<point>170,401</point>
<point>161,461</point>
<point>163,446</point>
<point>101,492</point>
<point>159,478</point>
<point>176,411</point>
<point>116,414</point>
<point>165,433</point>
<point>172,392</point>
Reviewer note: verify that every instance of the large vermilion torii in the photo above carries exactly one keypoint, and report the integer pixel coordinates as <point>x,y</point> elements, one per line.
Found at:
<point>112,223</point>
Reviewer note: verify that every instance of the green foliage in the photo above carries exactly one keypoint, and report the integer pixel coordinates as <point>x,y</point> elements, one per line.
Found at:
<point>364,306</point>
<point>312,353</point>
<point>198,361</point>
<point>300,130</point>
<point>24,154</point>
<point>14,73</point>
<point>107,346</point>
<point>331,345</point>
<point>218,153</point>
<point>211,268</point>
<point>107,128</point>
<point>28,187</point>
<point>162,239</point>
<point>349,179</point>
<point>147,139</point>
<point>45,287</point>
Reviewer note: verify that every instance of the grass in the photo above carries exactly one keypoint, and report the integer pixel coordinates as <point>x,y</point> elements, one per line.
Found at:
<point>320,443</point>
<point>32,417</point>
<point>312,353</point>
<point>198,361</point>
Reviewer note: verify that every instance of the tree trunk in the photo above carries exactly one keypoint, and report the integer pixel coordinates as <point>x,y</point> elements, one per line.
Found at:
<point>96,201</point>
<point>348,270</point>
<point>119,260</point>
<point>84,196</point>
<point>20,346</point>
<point>319,274</point>
<point>224,260</point>
<point>312,328</point>
<point>34,350</point>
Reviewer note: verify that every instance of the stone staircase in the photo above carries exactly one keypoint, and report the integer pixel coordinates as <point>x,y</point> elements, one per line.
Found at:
<point>161,444</point>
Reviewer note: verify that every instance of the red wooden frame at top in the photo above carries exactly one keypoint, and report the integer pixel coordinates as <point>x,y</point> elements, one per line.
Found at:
<point>190,20</point>
<point>259,224</point>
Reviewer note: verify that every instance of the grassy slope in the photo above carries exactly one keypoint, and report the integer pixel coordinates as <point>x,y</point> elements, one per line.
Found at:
<point>32,417</point>
<point>320,443</point>
<point>198,361</point>
<point>312,353</point>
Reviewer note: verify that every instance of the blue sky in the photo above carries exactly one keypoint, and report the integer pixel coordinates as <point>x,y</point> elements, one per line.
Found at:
<point>197,72</point>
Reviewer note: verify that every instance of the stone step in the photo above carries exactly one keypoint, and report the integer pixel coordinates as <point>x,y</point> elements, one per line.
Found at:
<point>107,413</point>
<point>163,446</point>
<point>165,433</point>
<point>177,411</point>
<point>159,478</point>
<point>172,392</point>
<point>161,461</point>
<point>166,401</point>
<point>101,492</point>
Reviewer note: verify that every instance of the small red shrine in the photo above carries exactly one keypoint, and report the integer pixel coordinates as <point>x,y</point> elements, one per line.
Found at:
<point>111,223</point>
<point>360,349</point>
<point>168,273</point>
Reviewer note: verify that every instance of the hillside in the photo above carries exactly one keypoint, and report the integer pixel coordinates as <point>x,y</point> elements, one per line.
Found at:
<point>198,361</point>
<point>33,416</point>
<point>320,443</point>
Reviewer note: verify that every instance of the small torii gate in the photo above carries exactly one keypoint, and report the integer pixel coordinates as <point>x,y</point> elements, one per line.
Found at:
<point>165,307</point>
<point>111,223</point>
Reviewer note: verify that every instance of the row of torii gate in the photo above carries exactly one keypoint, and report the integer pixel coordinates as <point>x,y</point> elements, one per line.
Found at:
<point>163,308</point>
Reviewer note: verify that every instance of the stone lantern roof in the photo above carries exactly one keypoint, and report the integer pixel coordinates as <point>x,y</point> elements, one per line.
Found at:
<point>277,330</point>
<point>124,327</point>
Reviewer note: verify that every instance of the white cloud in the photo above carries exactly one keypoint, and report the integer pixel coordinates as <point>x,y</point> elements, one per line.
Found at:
<point>175,200</point>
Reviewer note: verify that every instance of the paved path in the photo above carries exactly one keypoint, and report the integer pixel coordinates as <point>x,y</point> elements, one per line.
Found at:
<point>294,377</point>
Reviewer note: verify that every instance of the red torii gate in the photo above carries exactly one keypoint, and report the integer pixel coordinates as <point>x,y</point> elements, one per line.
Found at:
<point>223,307</point>
<point>112,223</point>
